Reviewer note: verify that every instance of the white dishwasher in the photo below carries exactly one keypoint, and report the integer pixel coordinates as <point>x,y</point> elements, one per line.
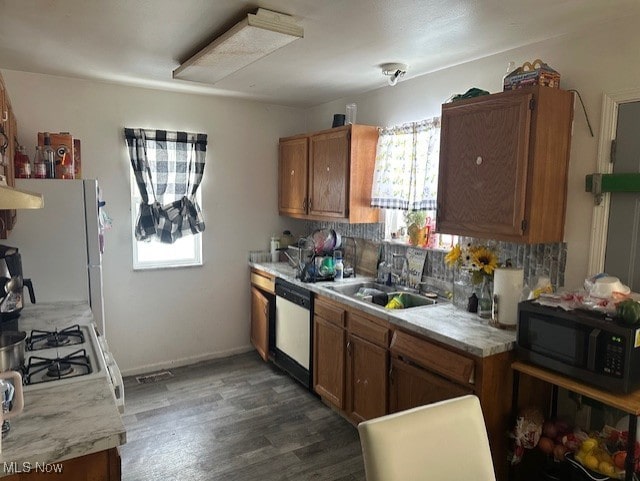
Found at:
<point>293,331</point>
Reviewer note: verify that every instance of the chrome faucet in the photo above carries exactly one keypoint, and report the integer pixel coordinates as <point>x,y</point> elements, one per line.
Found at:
<point>402,278</point>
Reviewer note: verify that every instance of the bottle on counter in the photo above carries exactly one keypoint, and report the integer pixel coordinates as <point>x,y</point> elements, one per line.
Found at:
<point>21,164</point>
<point>49,156</point>
<point>39,164</point>
<point>67,166</point>
<point>275,245</point>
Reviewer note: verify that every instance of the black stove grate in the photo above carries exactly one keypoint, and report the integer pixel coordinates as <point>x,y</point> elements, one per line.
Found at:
<point>42,369</point>
<point>68,336</point>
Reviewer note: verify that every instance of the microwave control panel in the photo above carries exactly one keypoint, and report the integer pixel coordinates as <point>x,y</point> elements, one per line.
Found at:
<point>614,355</point>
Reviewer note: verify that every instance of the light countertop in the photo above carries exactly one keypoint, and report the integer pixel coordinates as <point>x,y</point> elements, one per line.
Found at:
<point>442,322</point>
<point>62,421</point>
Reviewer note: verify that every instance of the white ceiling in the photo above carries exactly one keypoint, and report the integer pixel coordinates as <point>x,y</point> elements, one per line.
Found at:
<point>140,42</point>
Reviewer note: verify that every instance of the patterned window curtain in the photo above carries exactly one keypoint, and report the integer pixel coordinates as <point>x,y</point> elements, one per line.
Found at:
<point>168,167</point>
<point>406,167</point>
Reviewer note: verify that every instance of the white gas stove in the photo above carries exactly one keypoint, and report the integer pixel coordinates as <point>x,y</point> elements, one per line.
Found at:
<point>69,355</point>
<point>62,356</point>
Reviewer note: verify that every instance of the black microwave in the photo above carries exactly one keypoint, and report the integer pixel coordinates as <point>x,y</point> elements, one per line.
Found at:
<point>584,345</point>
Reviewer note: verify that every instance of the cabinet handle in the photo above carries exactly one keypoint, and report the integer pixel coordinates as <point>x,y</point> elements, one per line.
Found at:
<point>304,204</point>
<point>309,203</point>
<point>349,347</point>
<point>293,172</point>
<point>478,160</point>
<point>5,115</point>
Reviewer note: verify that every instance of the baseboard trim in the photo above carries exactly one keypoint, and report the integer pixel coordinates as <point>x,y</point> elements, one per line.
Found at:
<point>185,361</point>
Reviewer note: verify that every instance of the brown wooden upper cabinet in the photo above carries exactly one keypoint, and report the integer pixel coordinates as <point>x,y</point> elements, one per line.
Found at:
<point>503,165</point>
<point>327,175</point>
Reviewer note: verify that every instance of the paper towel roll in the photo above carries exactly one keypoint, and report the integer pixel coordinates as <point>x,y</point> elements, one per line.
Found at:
<point>507,286</point>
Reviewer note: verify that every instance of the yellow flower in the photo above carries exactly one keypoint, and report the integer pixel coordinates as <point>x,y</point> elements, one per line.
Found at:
<point>485,260</point>
<point>453,256</point>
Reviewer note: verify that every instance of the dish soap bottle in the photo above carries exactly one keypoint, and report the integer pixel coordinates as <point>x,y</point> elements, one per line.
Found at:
<point>338,266</point>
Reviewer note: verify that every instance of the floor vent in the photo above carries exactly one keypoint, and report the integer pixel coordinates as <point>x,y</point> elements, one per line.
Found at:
<point>154,377</point>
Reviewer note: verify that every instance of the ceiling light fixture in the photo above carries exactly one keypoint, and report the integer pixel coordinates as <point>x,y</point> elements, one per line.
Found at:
<point>394,71</point>
<point>255,37</point>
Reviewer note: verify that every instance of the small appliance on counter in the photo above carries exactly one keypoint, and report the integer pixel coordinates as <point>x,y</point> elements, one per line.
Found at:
<point>11,288</point>
<point>585,345</point>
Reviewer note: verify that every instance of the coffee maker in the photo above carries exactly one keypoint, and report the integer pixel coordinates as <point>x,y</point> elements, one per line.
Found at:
<point>11,287</point>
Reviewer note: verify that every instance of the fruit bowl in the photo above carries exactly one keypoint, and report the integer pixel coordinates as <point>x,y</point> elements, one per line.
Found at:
<point>590,473</point>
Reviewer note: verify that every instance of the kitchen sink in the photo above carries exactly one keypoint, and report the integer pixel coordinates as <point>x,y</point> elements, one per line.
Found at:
<point>410,299</point>
<point>361,289</point>
<point>381,294</point>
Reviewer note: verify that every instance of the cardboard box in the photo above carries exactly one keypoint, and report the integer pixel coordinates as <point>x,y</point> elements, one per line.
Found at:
<point>530,74</point>
<point>62,143</point>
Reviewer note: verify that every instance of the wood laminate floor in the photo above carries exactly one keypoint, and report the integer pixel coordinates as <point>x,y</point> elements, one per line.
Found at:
<point>234,419</point>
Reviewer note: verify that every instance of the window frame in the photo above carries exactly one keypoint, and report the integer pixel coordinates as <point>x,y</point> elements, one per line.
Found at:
<point>194,261</point>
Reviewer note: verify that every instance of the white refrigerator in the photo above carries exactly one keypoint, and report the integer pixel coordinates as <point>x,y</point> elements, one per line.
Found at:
<point>61,244</point>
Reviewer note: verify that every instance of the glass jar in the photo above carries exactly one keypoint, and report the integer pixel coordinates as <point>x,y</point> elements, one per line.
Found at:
<point>462,288</point>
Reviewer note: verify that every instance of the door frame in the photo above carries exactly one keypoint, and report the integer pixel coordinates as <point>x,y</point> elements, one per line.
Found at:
<point>600,219</point>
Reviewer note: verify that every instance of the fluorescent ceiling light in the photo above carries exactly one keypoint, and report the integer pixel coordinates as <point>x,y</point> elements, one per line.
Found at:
<point>253,38</point>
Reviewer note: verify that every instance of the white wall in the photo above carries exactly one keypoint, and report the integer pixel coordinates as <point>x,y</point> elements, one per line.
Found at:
<point>157,317</point>
<point>601,60</point>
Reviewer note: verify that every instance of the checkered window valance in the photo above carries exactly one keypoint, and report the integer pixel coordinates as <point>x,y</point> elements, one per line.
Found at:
<point>406,168</point>
<point>168,168</point>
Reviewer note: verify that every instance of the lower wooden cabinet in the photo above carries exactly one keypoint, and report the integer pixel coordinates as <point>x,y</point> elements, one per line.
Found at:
<point>260,323</point>
<point>411,386</point>
<point>364,375</point>
<point>328,361</point>
<point>351,361</point>
<point>100,466</point>
<point>262,309</point>
<point>367,379</point>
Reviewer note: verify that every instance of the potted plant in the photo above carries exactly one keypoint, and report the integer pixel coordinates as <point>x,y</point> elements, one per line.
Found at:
<point>416,220</point>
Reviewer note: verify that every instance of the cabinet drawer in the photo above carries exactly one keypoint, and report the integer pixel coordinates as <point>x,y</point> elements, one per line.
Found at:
<point>263,282</point>
<point>433,357</point>
<point>366,329</point>
<point>329,312</point>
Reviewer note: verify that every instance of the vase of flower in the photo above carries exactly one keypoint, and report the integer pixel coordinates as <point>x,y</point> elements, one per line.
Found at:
<point>473,274</point>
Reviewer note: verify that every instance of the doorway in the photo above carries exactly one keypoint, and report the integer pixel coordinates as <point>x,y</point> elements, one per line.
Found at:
<point>622,255</point>
<point>616,221</point>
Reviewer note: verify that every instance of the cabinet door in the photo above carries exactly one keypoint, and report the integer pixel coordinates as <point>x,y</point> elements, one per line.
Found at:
<point>292,177</point>
<point>260,323</point>
<point>411,386</point>
<point>367,379</point>
<point>329,174</point>
<point>328,361</point>
<point>483,165</point>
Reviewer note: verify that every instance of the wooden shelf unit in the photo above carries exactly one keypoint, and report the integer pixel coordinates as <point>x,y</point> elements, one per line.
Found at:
<point>628,403</point>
